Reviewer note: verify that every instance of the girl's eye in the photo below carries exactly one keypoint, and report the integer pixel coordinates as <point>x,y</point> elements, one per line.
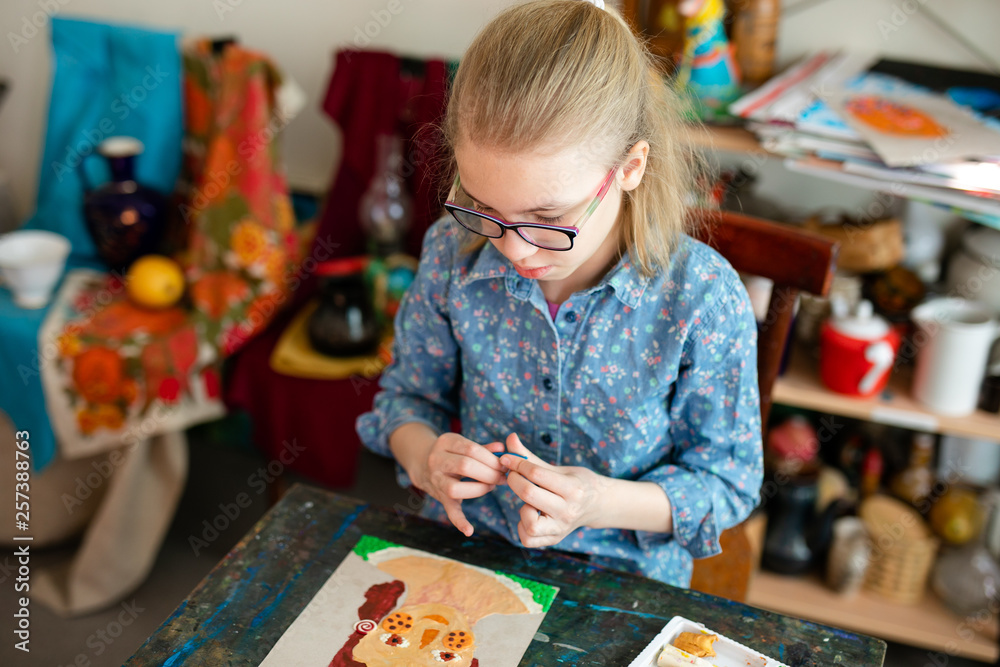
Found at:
<point>551,221</point>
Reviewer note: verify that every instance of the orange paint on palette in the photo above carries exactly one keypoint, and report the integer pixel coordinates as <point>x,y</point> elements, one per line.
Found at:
<point>891,117</point>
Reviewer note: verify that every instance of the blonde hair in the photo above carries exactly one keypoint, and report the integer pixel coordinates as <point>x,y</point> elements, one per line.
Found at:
<point>559,73</point>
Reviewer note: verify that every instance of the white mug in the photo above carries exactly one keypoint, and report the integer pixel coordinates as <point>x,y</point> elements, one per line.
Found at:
<point>953,340</point>
<point>31,263</point>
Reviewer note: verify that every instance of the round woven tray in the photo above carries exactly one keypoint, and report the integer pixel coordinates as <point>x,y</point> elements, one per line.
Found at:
<point>903,549</point>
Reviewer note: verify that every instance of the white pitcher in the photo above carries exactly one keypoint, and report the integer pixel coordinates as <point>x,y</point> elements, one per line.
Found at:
<point>953,340</point>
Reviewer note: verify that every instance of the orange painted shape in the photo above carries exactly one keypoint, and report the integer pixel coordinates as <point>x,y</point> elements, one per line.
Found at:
<point>439,619</point>
<point>891,117</point>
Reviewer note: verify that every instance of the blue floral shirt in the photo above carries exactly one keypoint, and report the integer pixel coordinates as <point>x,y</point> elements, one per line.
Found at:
<point>639,378</point>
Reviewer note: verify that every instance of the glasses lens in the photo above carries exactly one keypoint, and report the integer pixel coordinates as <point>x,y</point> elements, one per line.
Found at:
<point>550,239</point>
<point>477,223</point>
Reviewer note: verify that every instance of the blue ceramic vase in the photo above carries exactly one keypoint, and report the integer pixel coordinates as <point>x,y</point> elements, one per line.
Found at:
<point>125,218</point>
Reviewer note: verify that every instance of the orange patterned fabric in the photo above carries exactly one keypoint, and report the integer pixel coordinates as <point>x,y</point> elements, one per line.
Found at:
<point>242,247</point>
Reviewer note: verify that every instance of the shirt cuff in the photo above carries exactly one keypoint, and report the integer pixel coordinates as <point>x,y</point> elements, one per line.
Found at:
<point>375,438</point>
<point>694,523</point>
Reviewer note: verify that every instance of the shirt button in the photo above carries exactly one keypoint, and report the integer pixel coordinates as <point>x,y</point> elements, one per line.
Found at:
<point>546,438</point>
<point>571,316</point>
<point>547,383</point>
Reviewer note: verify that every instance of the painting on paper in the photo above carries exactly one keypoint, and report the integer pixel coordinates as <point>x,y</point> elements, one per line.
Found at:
<point>915,128</point>
<point>387,605</point>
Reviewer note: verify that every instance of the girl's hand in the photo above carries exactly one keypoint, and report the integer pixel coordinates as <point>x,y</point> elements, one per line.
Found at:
<point>557,499</point>
<point>456,469</point>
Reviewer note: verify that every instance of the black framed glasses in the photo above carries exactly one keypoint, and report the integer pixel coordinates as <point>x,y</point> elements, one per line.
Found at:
<point>547,237</point>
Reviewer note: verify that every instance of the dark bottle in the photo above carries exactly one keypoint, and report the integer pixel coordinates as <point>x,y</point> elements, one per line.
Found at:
<point>126,219</point>
<point>344,322</point>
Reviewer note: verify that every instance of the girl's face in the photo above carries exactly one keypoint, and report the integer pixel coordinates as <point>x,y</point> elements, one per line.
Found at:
<point>550,188</point>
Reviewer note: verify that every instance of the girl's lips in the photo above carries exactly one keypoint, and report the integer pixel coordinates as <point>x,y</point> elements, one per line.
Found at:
<point>532,273</point>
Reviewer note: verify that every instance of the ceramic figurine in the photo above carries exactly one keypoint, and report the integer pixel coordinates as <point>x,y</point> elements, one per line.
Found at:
<point>707,69</point>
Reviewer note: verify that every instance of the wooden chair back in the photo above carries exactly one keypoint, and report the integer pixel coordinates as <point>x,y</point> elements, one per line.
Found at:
<point>796,261</point>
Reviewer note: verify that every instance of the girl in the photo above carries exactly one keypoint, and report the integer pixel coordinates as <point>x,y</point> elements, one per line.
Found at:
<point>564,318</point>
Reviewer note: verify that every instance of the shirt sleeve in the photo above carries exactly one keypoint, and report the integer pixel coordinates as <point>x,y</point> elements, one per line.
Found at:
<point>419,384</point>
<point>714,470</point>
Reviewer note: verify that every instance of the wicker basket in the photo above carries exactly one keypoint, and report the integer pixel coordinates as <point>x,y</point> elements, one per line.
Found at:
<point>864,246</point>
<point>903,550</point>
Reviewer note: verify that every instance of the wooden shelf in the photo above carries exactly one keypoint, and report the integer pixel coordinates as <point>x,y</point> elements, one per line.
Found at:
<point>927,625</point>
<point>718,137</point>
<point>800,387</point>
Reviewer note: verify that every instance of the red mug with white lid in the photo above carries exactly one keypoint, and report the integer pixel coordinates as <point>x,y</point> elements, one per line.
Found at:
<point>857,350</point>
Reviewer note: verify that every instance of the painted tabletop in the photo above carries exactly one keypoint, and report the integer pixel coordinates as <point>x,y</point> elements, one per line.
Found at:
<point>600,617</point>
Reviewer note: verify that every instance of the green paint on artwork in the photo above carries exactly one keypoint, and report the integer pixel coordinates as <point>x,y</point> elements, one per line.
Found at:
<point>368,544</point>
<point>543,594</point>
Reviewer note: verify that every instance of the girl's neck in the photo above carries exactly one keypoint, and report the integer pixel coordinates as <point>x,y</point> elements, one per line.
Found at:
<point>587,275</point>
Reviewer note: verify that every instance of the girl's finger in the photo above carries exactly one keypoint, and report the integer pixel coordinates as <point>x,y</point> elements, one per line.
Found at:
<point>463,466</point>
<point>495,447</point>
<point>463,447</point>
<point>535,542</point>
<point>532,494</point>
<point>537,524</point>
<point>458,490</point>
<point>453,509</point>
<point>548,478</point>
<point>515,446</point>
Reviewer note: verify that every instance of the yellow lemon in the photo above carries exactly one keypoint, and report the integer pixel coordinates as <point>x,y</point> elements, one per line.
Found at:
<point>155,281</point>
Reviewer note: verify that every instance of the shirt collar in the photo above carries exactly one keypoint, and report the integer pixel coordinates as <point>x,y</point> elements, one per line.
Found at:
<point>625,278</point>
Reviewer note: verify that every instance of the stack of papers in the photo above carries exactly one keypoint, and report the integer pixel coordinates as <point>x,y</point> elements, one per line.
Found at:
<point>864,121</point>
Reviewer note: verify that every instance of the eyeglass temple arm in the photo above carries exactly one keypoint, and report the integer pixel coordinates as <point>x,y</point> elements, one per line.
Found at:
<point>454,189</point>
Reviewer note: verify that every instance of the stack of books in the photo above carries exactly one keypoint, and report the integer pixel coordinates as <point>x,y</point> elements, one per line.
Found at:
<point>923,132</point>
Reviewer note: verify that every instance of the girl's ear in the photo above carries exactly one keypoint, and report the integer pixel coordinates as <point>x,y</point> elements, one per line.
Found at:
<point>634,166</point>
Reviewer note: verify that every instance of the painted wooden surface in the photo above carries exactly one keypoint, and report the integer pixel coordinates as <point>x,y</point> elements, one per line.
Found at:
<point>241,608</point>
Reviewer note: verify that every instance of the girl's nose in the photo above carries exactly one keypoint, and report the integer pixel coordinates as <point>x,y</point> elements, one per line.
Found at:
<point>514,247</point>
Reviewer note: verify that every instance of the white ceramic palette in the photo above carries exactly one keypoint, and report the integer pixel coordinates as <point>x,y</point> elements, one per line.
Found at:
<point>728,653</point>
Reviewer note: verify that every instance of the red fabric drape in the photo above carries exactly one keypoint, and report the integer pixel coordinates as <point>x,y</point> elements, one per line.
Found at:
<point>369,95</point>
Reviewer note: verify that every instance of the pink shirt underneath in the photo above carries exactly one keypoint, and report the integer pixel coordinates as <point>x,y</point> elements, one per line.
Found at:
<point>553,309</point>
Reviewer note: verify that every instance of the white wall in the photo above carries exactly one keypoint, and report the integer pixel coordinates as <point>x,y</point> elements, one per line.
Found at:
<point>302,35</point>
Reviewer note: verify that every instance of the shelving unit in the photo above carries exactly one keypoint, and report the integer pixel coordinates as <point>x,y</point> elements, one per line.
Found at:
<point>927,625</point>
<point>738,140</point>
<point>800,387</point>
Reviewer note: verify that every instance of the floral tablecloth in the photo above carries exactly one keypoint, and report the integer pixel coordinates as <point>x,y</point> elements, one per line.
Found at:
<point>120,373</point>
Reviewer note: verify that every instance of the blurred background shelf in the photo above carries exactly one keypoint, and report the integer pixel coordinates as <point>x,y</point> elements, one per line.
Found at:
<point>800,387</point>
<point>927,625</point>
<point>724,138</point>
